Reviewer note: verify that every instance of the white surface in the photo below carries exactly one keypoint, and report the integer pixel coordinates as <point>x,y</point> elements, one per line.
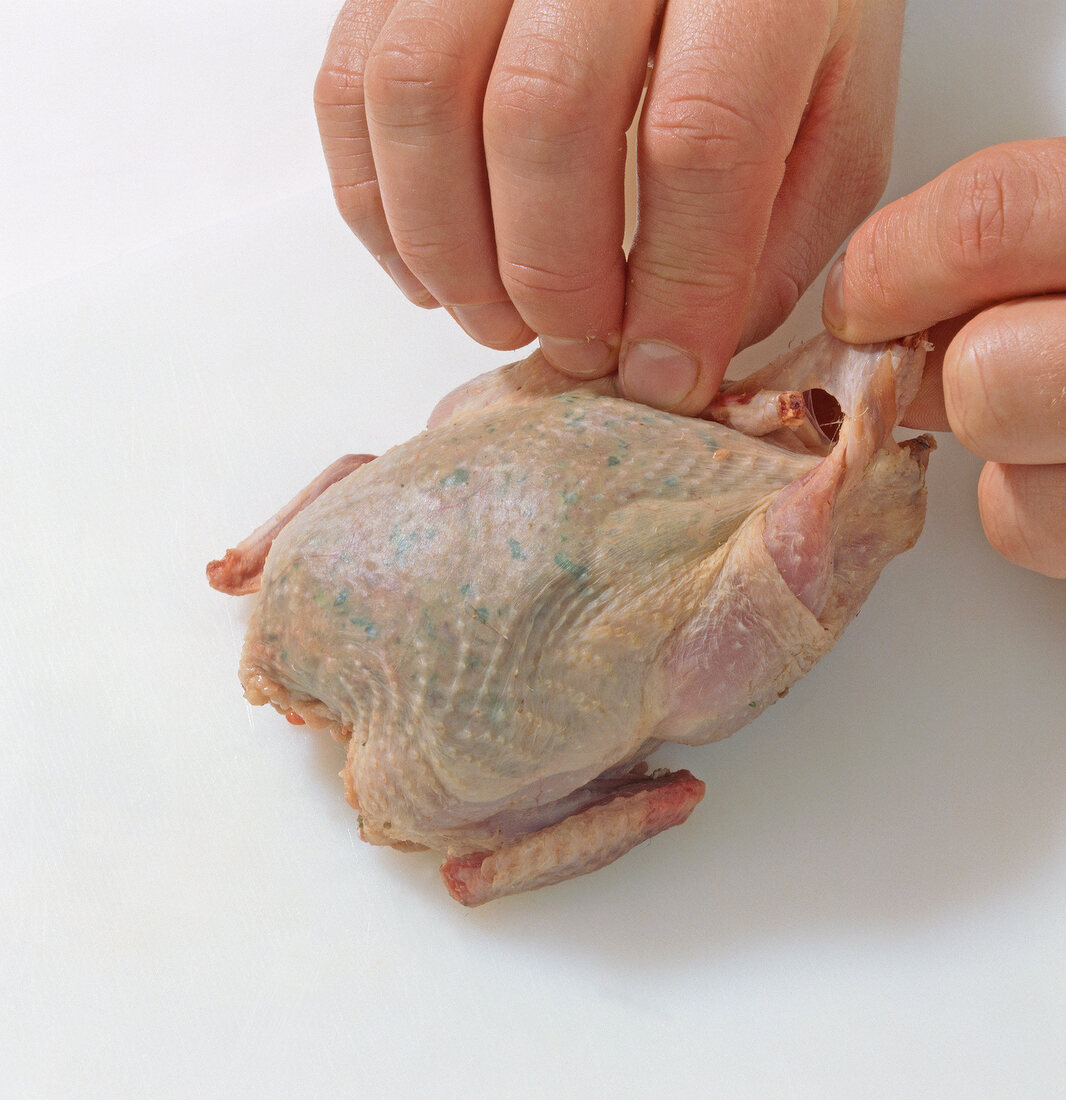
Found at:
<point>871,900</point>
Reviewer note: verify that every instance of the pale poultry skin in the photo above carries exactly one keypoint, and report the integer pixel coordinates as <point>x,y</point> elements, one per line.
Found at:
<point>503,617</point>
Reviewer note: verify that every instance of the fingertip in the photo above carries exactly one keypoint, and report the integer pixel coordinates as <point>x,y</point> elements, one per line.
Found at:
<point>662,375</point>
<point>593,357</point>
<point>1023,514</point>
<point>495,324</point>
<point>851,314</point>
<point>834,312</point>
<point>927,412</point>
<point>412,288</point>
<point>997,505</point>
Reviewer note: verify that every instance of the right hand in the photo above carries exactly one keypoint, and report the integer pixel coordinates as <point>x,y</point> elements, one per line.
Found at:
<point>477,148</point>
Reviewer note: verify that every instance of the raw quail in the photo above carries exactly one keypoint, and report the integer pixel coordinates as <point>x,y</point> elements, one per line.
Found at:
<point>503,617</point>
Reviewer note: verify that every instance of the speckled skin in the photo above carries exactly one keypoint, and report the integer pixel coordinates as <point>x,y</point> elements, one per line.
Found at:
<point>545,585</point>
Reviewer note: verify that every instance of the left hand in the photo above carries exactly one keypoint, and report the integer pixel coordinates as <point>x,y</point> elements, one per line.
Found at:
<point>978,253</point>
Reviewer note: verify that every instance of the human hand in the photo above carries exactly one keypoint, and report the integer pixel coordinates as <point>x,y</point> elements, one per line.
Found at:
<point>477,148</point>
<point>980,248</point>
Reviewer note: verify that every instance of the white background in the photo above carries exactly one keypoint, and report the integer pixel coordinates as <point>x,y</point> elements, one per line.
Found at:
<point>870,901</point>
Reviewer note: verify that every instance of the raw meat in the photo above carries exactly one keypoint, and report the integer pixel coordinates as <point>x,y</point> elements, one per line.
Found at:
<point>503,617</point>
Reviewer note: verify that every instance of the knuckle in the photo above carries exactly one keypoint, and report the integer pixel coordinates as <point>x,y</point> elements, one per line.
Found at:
<point>1005,388</point>
<point>338,88</point>
<point>339,81</point>
<point>549,285</point>
<point>538,100</point>
<point>682,274</point>
<point>416,67</point>
<point>977,230</point>
<point>431,248</point>
<point>692,131</point>
<point>359,203</point>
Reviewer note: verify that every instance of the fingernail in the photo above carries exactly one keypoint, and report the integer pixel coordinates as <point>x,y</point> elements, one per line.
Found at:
<point>833,299</point>
<point>590,358</point>
<point>409,283</point>
<point>495,324</point>
<point>658,374</point>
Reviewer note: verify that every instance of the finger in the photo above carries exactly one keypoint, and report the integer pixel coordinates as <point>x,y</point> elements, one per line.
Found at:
<point>838,166</point>
<point>341,114</point>
<point>1023,509</point>
<point>563,90</point>
<point>927,412</point>
<point>425,84</point>
<point>724,106</point>
<point>1005,382</point>
<point>988,229</point>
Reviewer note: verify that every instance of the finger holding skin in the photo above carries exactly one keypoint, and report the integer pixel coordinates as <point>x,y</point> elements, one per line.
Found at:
<point>341,113</point>
<point>838,166</point>
<point>563,90</point>
<point>1004,379</point>
<point>425,85</point>
<point>988,229</point>
<point>1023,510</point>
<point>926,412</point>
<point>724,105</point>
<point>1030,386</point>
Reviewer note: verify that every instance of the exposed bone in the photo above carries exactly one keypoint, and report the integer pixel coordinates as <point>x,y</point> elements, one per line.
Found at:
<point>758,413</point>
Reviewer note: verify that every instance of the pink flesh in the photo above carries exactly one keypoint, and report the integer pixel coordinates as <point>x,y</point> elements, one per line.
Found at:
<point>871,392</point>
<point>585,841</point>
<point>799,533</point>
<point>237,573</point>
